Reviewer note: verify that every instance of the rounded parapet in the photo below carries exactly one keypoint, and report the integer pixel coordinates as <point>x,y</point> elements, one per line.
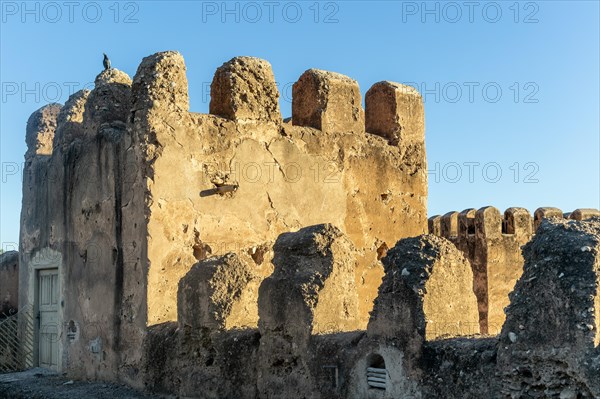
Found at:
<point>161,82</point>
<point>244,88</point>
<point>466,222</point>
<point>327,101</point>
<point>488,222</point>
<point>70,119</point>
<point>426,293</point>
<point>449,225</point>
<point>211,296</point>
<point>435,225</point>
<point>584,213</point>
<point>518,221</point>
<point>41,127</point>
<point>312,288</point>
<point>109,102</point>
<point>395,112</point>
<point>543,213</point>
<point>555,302</point>
<point>110,77</point>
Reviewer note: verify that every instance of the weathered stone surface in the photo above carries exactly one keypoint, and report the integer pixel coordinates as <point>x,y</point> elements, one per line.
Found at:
<point>395,111</point>
<point>41,127</point>
<point>244,89</point>
<point>327,101</point>
<point>549,343</point>
<point>425,293</point>
<point>544,213</point>
<point>314,276</point>
<point>132,197</point>
<point>70,119</point>
<point>219,293</point>
<point>492,244</point>
<point>75,219</point>
<point>449,225</point>
<point>160,84</point>
<point>200,363</point>
<point>518,221</point>
<point>584,213</point>
<point>434,225</point>
<point>460,368</point>
<point>109,104</point>
<point>311,291</point>
<point>374,192</point>
<point>9,282</point>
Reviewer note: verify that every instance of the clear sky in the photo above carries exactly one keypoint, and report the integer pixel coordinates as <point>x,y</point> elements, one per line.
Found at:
<point>511,88</point>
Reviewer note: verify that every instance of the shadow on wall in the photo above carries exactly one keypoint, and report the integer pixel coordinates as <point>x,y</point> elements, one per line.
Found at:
<point>427,282</point>
<point>307,341</point>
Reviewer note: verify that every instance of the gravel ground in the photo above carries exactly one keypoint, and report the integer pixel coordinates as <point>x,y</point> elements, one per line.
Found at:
<point>41,384</point>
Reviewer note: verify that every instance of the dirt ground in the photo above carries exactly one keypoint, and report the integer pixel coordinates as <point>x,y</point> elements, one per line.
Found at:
<point>41,384</point>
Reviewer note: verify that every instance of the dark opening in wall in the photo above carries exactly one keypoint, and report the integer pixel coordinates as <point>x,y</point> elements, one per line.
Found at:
<point>471,227</point>
<point>376,372</point>
<point>506,227</point>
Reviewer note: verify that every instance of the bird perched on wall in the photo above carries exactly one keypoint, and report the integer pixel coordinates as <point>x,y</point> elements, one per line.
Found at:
<point>106,62</point>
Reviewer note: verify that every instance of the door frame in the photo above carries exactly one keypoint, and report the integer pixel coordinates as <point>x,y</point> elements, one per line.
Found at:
<point>46,259</point>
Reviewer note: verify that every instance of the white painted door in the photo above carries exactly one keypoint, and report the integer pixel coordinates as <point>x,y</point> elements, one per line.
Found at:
<point>49,328</point>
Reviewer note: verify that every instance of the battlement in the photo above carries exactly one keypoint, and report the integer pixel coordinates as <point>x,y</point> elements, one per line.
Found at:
<point>489,222</point>
<point>142,189</point>
<point>243,90</point>
<point>160,86</point>
<point>492,242</point>
<point>239,255</point>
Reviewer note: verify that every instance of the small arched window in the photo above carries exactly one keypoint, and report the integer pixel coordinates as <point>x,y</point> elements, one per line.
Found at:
<point>376,372</point>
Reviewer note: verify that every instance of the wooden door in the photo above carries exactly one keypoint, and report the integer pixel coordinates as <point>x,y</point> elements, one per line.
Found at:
<point>48,302</point>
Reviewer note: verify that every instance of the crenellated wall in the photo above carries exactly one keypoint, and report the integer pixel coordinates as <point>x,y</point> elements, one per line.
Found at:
<point>125,190</point>
<point>321,167</point>
<point>238,255</point>
<point>492,242</point>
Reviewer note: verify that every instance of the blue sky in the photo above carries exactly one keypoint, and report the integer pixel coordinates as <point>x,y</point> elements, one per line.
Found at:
<point>511,88</point>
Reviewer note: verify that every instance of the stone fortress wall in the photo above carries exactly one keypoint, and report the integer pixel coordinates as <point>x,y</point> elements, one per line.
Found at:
<point>238,255</point>
<point>125,190</point>
<point>492,243</point>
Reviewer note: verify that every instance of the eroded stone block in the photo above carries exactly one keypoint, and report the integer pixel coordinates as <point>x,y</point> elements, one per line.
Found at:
<point>70,119</point>
<point>41,127</point>
<point>466,222</point>
<point>551,334</point>
<point>218,293</point>
<point>449,225</point>
<point>518,221</point>
<point>584,213</point>
<point>327,101</point>
<point>109,103</point>
<point>395,111</point>
<point>160,84</point>
<point>543,213</point>
<point>435,225</point>
<point>244,89</point>
<point>426,293</point>
<point>311,291</point>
